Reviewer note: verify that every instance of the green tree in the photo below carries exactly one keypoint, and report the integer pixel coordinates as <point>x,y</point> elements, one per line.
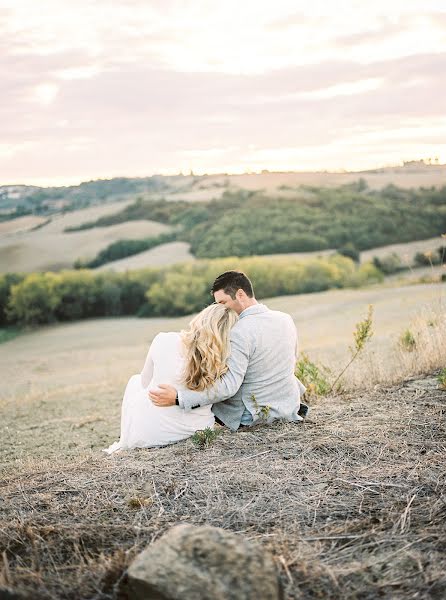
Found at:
<point>34,300</point>
<point>178,294</point>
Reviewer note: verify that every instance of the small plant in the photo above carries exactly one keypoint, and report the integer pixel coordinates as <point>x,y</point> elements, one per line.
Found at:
<point>362,334</point>
<point>314,378</point>
<point>203,438</point>
<point>407,341</point>
<point>442,379</point>
<point>138,502</point>
<point>262,411</point>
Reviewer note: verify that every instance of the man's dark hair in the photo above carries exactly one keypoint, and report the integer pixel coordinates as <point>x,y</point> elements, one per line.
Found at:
<point>231,281</point>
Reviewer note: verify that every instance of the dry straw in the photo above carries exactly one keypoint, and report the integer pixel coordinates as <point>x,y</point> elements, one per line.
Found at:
<point>352,503</point>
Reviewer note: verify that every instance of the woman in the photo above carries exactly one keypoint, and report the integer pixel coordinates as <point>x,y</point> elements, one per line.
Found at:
<point>192,359</point>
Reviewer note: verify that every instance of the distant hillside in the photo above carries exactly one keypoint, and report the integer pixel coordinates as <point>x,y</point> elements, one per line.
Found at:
<point>19,200</point>
<point>247,223</point>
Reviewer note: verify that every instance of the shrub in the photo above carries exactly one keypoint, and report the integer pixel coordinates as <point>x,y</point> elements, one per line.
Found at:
<point>391,263</point>
<point>178,294</point>
<point>434,257</point>
<point>6,283</point>
<point>407,341</point>
<point>350,251</point>
<point>178,290</point>
<point>34,300</point>
<point>314,378</point>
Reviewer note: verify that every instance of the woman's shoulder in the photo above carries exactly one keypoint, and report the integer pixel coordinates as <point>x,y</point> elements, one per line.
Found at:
<point>166,337</point>
<point>166,334</point>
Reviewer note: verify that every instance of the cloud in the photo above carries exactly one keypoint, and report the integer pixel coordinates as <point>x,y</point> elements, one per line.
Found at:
<point>123,103</point>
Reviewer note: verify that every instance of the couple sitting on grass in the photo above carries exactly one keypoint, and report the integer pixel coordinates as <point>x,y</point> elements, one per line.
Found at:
<point>233,365</point>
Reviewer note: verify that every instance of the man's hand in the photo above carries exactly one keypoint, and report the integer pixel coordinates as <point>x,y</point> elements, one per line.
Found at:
<point>165,397</point>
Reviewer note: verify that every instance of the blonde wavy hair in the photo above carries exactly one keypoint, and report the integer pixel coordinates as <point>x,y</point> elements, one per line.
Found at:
<point>207,346</point>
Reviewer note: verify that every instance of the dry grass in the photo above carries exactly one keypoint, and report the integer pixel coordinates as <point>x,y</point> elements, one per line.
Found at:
<point>405,251</point>
<point>48,249</point>
<point>78,217</point>
<point>20,224</point>
<point>270,182</point>
<point>160,256</point>
<point>397,361</point>
<point>352,503</point>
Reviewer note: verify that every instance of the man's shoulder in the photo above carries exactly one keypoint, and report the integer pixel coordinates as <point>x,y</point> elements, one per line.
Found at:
<point>278,314</point>
<point>253,322</point>
<point>275,315</point>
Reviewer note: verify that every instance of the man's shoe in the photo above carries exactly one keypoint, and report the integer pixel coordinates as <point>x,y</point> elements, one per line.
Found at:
<point>304,410</point>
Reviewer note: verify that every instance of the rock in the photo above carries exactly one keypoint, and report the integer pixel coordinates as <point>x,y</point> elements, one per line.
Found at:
<point>203,563</point>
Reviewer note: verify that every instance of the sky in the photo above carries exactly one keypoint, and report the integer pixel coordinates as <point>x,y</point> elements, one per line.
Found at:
<point>100,89</point>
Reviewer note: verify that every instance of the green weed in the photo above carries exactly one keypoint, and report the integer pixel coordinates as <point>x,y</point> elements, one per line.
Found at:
<point>203,438</point>
<point>442,379</point>
<point>407,341</point>
<point>314,378</point>
<point>362,334</point>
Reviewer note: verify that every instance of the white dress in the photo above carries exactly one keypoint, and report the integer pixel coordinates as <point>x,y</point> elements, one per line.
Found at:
<point>145,425</point>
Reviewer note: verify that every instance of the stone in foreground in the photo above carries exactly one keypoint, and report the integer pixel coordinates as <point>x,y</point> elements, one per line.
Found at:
<point>203,563</point>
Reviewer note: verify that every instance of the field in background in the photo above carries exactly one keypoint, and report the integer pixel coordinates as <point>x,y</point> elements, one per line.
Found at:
<point>20,224</point>
<point>350,503</point>
<point>77,217</point>
<point>62,374</point>
<point>177,252</point>
<point>49,248</point>
<point>212,186</point>
<point>163,255</point>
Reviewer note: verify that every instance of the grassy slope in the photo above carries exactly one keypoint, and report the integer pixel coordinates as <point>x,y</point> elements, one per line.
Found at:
<point>49,248</point>
<point>160,256</point>
<point>350,503</point>
<point>176,252</point>
<point>61,375</point>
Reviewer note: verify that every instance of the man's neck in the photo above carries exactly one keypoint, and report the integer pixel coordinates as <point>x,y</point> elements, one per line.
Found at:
<point>249,303</point>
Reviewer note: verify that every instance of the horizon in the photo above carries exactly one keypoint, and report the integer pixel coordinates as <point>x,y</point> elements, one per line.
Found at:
<point>106,90</point>
<point>421,162</point>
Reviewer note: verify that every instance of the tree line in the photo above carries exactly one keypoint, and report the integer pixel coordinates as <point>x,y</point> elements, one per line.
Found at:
<point>37,298</point>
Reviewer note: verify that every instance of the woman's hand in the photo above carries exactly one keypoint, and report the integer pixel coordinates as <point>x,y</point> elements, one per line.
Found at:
<point>165,397</point>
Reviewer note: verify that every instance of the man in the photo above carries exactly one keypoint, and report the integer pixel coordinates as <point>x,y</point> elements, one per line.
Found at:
<point>260,383</point>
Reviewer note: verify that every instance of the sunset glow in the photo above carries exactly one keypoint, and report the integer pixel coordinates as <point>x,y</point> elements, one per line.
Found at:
<point>130,89</point>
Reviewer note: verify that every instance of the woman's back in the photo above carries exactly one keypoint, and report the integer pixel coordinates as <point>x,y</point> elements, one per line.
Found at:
<point>165,364</point>
<point>142,423</point>
<point>168,362</point>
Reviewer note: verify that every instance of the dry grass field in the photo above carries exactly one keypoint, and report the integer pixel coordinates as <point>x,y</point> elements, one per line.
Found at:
<point>55,366</point>
<point>405,251</point>
<point>20,224</point>
<point>52,250</point>
<point>177,252</point>
<point>160,256</point>
<point>212,186</point>
<point>351,503</point>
